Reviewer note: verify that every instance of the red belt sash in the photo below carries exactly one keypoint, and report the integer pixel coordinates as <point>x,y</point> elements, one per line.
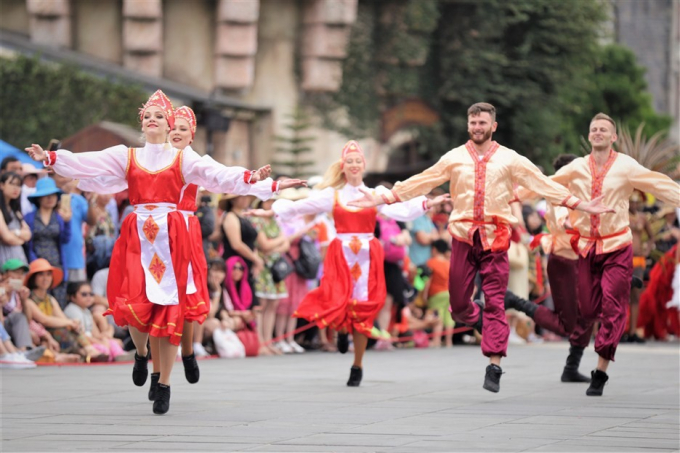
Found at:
<point>576,237</point>
<point>502,232</point>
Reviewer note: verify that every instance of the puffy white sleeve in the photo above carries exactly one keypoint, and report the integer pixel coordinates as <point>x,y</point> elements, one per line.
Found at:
<point>262,189</point>
<point>109,162</point>
<point>204,171</point>
<point>287,210</point>
<point>404,211</point>
<point>103,184</point>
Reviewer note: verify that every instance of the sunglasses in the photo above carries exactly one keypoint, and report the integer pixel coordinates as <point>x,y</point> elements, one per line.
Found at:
<point>87,294</point>
<point>238,267</point>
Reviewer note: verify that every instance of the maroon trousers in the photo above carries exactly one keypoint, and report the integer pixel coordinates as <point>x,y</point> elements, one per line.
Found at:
<point>466,261</point>
<point>604,292</point>
<point>566,319</point>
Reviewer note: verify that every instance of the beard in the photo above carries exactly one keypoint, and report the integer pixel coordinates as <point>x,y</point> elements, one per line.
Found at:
<point>485,137</point>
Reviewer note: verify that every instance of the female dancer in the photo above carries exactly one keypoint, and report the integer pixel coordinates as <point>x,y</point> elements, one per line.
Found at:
<point>149,266</point>
<point>352,290</point>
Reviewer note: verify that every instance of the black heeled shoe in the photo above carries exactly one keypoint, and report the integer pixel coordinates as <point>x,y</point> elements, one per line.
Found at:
<point>140,371</point>
<point>161,404</point>
<point>355,375</point>
<point>154,386</point>
<point>191,371</point>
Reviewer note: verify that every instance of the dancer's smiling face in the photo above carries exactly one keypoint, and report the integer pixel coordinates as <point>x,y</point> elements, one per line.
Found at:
<point>154,123</point>
<point>180,136</point>
<point>602,135</point>
<point>481,127</point>
<point>353,166</point>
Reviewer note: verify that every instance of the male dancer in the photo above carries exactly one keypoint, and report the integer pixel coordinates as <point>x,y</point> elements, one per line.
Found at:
<point>563,277</point>
<point>482,174</point>
<point>604,242</point>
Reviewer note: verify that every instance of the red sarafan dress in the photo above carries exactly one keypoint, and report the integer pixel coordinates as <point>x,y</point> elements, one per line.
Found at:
<point>198,299</point>
<point>154,243</point>
<point>352,290</point>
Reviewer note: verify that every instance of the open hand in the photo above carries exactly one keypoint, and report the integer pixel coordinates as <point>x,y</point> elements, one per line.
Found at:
<point>436,201</point>
<point>288,183</point>
<point>595,206</point>
<point>36,152</point>
<point>259,213</point>
<point>262,173</point>
<point>369,200</point>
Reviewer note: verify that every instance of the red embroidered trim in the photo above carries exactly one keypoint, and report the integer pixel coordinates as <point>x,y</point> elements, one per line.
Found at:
<point>248,176</point>
<point>480,185</point>
<point>576,204</point>
<point>385,199</point>
<point>596,187</point>
<point>564,202</point>
<point>275,186</point>
<point>425,208</point>
<point>51,158</point>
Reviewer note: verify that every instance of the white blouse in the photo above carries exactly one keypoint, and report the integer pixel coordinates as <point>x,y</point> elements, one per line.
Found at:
<point>322,201</point>
<point>105,171</point>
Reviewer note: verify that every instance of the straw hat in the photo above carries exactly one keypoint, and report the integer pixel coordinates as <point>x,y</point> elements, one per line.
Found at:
<point>42,265</point>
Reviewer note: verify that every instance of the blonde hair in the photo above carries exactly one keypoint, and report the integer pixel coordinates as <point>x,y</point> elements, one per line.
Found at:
<point>334,176</point>
<point>605,117</point>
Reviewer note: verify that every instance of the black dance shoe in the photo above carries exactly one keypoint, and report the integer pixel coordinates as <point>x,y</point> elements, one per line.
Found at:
<point>140,371</point>
<point>492,379</point>
<point>599,379</point>
<point>161,404</point>
<point>191,371</point>
<point>154,386</point>
<point>355,375</point>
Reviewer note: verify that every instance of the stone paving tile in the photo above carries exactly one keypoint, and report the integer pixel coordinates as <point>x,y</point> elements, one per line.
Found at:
<point>415,400</point>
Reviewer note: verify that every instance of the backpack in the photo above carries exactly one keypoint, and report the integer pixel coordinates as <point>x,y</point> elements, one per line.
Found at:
<point>390,229</point>
<point>307,265</point>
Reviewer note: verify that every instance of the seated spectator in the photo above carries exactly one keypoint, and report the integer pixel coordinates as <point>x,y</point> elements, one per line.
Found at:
<point>101,235</point>
<point>438,292</point>
<point>224,313</point>
<point>66,334</point>
<point>14,232</point>
<point>51,229</point>
<point>81,299</point>
<point>16,314</point>
<point>10,357</point>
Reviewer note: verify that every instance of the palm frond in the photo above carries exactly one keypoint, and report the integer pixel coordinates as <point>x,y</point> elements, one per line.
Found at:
<point>657,153</point>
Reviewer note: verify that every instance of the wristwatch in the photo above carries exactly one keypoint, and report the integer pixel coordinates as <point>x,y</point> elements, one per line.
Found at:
<point>17,231</point>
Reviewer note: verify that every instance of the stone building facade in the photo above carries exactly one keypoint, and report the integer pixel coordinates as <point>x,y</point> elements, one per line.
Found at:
<point>248,59</point>
<point>651,28</point>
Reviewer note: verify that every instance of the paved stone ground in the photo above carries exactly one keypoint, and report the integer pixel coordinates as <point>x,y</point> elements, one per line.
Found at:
<point>410,400</point>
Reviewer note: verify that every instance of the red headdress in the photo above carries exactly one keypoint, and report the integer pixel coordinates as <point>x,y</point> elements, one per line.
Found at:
<point>186,113</point>
<point>352,147</point>
<point>159,99</point>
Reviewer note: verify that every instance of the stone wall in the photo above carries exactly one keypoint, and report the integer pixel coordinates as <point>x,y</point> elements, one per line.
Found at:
<point>645,27</point>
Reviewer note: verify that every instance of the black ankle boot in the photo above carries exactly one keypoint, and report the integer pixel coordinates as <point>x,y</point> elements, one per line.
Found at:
<point>600,378</point>
<point>570,372</point>
<point>512,300</point>
<point>154,386</point>
<point>480,322</point>
<point>492,379</point>
<point>191,371</point>
<point>343,342</point>
<point>355,375</point>
<point>140,371</point>
<point>162,402</point>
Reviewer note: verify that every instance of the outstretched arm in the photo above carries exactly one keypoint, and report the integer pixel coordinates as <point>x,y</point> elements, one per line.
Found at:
<point>110,162</point>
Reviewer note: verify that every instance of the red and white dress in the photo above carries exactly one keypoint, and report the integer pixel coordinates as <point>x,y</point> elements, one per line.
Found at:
<point>352,290</point>
<point>147,286</point>
<point>198,299</point>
